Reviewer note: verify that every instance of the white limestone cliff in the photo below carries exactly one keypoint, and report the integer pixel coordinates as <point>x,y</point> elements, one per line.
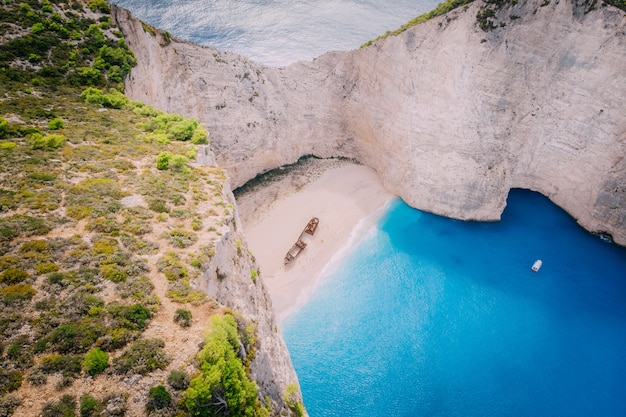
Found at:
<point>451,117</point>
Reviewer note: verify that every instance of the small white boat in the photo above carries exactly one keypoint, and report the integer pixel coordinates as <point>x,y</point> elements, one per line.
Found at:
<point>536,265</point>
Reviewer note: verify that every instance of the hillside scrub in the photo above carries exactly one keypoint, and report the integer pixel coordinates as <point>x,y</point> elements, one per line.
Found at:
<point>80,277</point>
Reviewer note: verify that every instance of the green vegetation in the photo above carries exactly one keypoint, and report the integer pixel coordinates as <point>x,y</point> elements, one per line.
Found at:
<point>142,357</point>
<point>182,317</point>
<point>292,401</point>
<point>10,380</point>
<point>89,406</point>
<point>8,404</point>
<point>178,380</point>
<point>64,407</point>
<point>158,398</point>
<point>441,9</point>
<point>95,361</point>
<point>181,238</point>
<point>621,4</point>
<point>56,124</point>
<point>222,386</point>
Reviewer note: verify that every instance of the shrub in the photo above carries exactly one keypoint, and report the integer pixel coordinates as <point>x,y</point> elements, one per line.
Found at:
<point>56,278</point>
<point>158,206</point>
<point>163,161</point>
<point>4,128</point>
<point>64,407</point>
<point>41,246</point>
<point>91,77</point>
<point>41,177</point>
<point>178,162</point>
<point>37,377</point>
<point>68,365</point>
<point>182,317</point>
<point>10,380</point>
<point>173,268</point>
<point>99,6</point>
<point>182,129</point>
<point>74,337</point>
<point>113,273</point>
<point>104,245</point>
<point>8,404</point>
<point>222,385</point>
<point>192,152</point>
<point>138,315</point>
<point>181,238</point>
<point>200,136</point>
<point>95,361</point>
<point>292,400</point>
<point>182,292</point>
<point>254,274</point>
<point>17,293</point>
<point>117,338</point>
<point>20,225</point>
<point>37,28</point>
<point>158,398</point>
<point>94,96</point>
<point>8,261</point>
<point>13,276</point>
<point>38,141</point>
<point>142,357</point>
<point>20,353</point>
<point>89,406</point>
<point>179,380</point>
<point>7,146</point>
<point>137,288</point>
<point>46,268</point>
<point>138,245</point>
<point>103,225</point>
<point>56,124</point>
<point>78,212</point>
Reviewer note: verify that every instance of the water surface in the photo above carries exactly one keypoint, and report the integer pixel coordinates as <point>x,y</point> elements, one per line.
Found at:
<point>430,316</point>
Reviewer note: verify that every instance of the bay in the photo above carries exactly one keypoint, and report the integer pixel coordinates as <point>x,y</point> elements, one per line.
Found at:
<point>430,316</point>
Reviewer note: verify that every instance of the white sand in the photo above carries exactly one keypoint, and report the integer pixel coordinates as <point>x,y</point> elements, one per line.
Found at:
<point>347,199</point>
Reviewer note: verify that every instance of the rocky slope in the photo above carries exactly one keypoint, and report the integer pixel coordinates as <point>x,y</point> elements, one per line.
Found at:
<point>451,117</point>
<point>231,281</point>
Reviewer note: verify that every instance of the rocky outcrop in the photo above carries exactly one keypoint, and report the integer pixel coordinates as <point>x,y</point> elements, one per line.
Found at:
<point>451,117</point>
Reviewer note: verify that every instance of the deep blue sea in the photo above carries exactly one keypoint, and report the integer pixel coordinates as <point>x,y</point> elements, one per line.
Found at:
<point>429,316</point>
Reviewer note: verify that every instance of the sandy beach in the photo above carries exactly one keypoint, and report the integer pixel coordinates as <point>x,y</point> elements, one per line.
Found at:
<point>347,198</point>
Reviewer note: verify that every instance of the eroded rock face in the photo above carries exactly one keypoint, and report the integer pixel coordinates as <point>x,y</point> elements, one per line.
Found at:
<point>450,116</point>
<point>230,280</point>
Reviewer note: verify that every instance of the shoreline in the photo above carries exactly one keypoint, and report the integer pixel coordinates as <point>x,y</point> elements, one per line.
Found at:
<point>348,199</point>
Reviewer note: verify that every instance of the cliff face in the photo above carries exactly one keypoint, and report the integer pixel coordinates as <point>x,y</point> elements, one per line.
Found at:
<point>230,281</point>
<point>450,116</point>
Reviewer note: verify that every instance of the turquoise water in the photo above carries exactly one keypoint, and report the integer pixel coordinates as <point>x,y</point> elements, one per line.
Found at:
<point>435,317</point>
